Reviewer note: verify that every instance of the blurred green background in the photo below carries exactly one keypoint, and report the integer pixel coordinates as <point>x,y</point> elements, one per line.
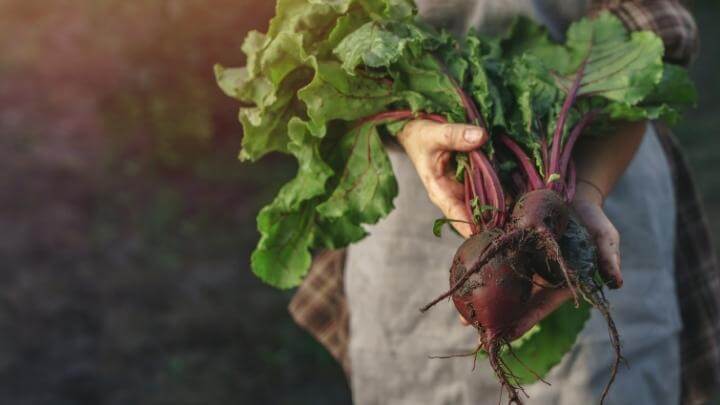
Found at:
<point>126,221</point>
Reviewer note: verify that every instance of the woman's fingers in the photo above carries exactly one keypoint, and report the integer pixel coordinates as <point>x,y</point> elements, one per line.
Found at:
<point>432,136</point>
<point>429,146</point>
<point>447,194</point>
<point>607,240</point>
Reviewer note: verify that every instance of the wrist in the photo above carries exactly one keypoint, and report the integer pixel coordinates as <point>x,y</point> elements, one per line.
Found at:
<point>588,192</point>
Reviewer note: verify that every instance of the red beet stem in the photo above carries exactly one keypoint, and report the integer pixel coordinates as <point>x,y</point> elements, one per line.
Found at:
<point>528,167</point>
<point>397,115</point>
<point>433,117</point>
<point>577,130</point>
<point>470,108</point>
<point>476,180</point>
<point>560,125</point>
<point>469,195</point>
<point>492,186</point>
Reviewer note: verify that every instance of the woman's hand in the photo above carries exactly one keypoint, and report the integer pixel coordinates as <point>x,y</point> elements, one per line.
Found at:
<point>430,146</point>
<point>588,205</point>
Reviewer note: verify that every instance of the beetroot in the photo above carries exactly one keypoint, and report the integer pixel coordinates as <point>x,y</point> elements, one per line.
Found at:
<point>542,210</point>
<point>492,298</point>
<point>494,273</point>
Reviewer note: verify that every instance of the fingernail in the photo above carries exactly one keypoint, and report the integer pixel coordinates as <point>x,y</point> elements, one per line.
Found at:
<point>473,135</point>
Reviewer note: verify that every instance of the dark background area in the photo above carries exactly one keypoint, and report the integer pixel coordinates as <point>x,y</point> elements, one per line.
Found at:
<point>126,222</point>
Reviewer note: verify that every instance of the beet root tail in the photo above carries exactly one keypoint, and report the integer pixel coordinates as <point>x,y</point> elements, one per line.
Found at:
<point>593,294</point>
<point>503,372</point>
<point>552,250</point>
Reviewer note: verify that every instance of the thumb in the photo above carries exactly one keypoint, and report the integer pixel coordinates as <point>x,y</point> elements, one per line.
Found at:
<point>449,137</point>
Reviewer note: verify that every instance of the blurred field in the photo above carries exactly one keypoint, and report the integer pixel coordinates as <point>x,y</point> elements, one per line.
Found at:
<point>126,222</point>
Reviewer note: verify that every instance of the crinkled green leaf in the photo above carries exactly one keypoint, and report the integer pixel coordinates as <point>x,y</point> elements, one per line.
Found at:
<point>423,75</point>
<point>396,10</point>
<point>282,256</point>
<point>376,45</point>
<point>674,93</point>
<point>336,233</point>
<point>287,226</point>
<point>535,94</point>
<point>366,186</point>
<point>265,129</point>
<point>610,62</point>
<point>620,73</point>
<point>334,95</point>
<point>484,78</point>
<point>523,36</point>
<point>236,83</point>
<point>675,88</point>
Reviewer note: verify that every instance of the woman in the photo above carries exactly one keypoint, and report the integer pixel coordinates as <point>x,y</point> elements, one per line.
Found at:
<point>625,188</point>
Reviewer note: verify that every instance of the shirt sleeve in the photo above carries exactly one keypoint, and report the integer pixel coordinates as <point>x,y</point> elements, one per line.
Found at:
<point>669,19</point>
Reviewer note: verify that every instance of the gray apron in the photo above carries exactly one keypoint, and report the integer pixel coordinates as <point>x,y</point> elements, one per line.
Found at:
<point>401,266</point>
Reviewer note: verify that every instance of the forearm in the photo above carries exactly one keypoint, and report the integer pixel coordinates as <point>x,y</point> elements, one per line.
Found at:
<point>601,161</point>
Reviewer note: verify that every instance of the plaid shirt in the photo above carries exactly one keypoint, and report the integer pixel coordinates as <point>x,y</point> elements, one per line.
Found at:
<point>321,308</point>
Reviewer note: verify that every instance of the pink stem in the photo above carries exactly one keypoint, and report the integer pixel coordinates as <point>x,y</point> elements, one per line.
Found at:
<point>476,181</point>
<point>493,186</point>
<point>433,117</point>
<point>571,182</point>
<point>574,135</point>
<point>388,116</point>
<point>536,182</point>
<point>470,108</point>
<point>468,204</point>
<point>397,115</point>
<point>488,187</point>
<point>562,117</point>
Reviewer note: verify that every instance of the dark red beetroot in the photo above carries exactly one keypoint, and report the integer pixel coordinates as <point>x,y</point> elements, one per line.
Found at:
<point>493,272</point>
<point>544,215</point>
<point>493,298</point>
<point>496,296</point>
<point>542,210</point>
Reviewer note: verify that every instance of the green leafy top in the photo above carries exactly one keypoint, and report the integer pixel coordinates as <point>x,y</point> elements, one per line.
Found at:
<point>322,66</point>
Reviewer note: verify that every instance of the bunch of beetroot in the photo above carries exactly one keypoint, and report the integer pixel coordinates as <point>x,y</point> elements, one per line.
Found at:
<point>519,247</point>
<point>332,78</point>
